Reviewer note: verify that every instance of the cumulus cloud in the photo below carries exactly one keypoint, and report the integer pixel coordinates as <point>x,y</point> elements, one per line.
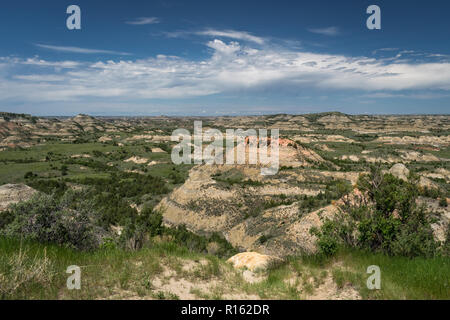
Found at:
<point>222,48</point>
<point>231,67</point>
<point>35,61</point>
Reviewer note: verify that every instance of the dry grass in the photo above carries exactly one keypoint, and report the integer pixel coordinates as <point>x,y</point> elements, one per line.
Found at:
<point>23,269</point>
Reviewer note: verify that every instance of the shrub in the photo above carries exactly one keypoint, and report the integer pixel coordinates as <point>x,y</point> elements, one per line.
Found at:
<point>176,178</point>
<point>446,246</point>
<point>97,153</point>
<point>327,245</point>
<point>164,146</point>
<point>6,217</point>
<point>66,221</point>
<point>113,195</point>
<point>141,228</point>
<point>196,243</point>
<point>264,238</point>
<point>334,190</point>
<point>28,175</point>
<point>326,239</point>
<point>64,170</point>
<point>391,222</point>
<point>57,188</point>
<point>192,241</point>
<point>431,193</point>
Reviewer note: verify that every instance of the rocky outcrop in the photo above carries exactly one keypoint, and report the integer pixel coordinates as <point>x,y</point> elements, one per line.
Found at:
<point>400,171</point>
<point>14,193</point>
<point>137,160</point>
<point>427,183</point>
<point>205,205</point>
<point>253,261</point>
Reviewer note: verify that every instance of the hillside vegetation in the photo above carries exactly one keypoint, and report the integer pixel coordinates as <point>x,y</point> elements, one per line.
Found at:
<point>103,194</point>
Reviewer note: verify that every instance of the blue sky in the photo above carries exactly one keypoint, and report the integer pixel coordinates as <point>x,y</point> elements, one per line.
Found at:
<point>228,57</point>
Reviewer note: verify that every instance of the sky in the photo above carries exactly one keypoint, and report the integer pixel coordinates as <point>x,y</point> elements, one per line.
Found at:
<point>214,58</point>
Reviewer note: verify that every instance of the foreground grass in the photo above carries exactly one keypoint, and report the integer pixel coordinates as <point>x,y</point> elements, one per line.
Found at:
<point>401,278</point>
<point>35,271</point>
<point>103,271</point>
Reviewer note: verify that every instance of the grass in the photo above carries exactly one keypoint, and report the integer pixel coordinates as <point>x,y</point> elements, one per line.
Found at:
<point>40,151</point>
<point>35,271</point>
<point>46,161</point>
<point>103,272</point>
<point>14,172</point>
<point>58,151</point>
<point>401,278</point>
<point>443,153</point>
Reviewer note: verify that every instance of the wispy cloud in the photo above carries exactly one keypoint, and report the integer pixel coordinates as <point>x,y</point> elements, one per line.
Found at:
<point>80,50</point>
<point>329,31</point>
<point>385,50</point>
<point>230,34</point>
<point>423,96</point>
<point>144,21</point>
<point>40,78</point>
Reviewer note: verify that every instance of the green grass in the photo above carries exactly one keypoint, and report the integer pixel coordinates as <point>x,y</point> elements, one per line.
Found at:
<point>14,172</point>
<point>401,278</point>
<point>443,153</point>
<point>103,271</point>
<point>40,151</point>
<point>108,272</point>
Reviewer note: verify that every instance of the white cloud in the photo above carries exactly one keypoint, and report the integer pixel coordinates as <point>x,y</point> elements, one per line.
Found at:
<point>329,31</point>
<point>80,50</point>
<point>39,78</point>
<point>214,33</point>
<point>232,34</point>
<point>384,50</point>
<point>422,96</point>
<point>222,48</point>
<point>144,21</point>
<point>231,67</point>
<point>6,62</point>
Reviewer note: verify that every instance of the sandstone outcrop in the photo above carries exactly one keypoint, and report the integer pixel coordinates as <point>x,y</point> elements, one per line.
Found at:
<point>253,261</point>
<point>14,193</point>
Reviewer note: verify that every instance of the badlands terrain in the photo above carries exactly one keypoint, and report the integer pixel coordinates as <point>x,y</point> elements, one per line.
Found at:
<point>124,166</point>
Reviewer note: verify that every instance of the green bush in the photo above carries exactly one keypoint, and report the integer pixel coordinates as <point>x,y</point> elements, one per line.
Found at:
<point>196,243</point>
<point>176,178</point>
<point>66,221</point>
<point>57,188</point>
<point>446,246</point>
<point>29,175</point>
<point>334,190</point>
<point>141,228</point>
<point>327,241</point>
<point>113,195</point>
<point>6,217</point>
<point>390,222</point>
